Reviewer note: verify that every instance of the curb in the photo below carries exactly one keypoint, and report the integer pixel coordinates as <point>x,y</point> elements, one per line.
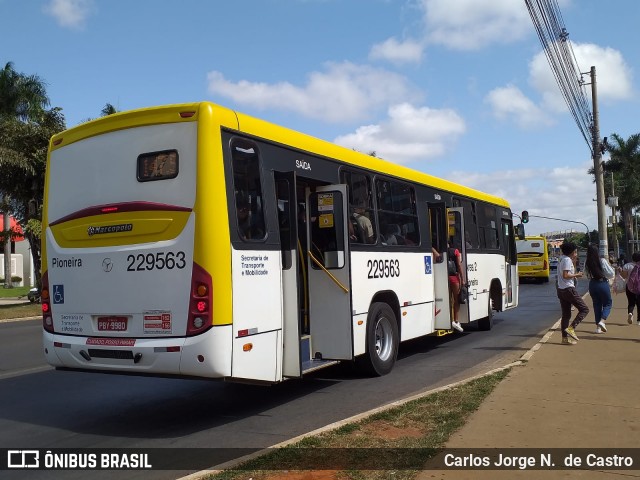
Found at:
<point>355,418</point>
<point>19,319</point>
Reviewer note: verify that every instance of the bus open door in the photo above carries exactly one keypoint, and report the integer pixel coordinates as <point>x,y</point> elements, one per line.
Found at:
<point>328,263</point>
<point>457,241</point>
<point>438,227</point>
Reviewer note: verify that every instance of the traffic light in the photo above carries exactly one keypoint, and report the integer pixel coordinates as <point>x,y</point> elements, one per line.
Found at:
<point>525,216</point>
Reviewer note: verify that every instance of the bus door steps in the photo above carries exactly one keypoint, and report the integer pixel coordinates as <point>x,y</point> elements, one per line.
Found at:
<point>310,364</point>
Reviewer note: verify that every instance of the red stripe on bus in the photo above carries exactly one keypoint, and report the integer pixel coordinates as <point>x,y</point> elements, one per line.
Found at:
<point>119,207</point>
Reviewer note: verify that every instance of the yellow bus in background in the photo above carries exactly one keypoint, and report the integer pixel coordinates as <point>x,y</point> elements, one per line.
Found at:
<point>533,258</point>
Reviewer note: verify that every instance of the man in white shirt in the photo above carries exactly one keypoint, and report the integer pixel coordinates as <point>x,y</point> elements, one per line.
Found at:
<point>567,293</point>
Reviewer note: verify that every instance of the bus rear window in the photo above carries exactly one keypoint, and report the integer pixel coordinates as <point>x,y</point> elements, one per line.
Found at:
<point>157,165</point>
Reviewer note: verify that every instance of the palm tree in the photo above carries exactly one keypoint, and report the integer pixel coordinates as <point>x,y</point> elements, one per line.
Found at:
<point>107,110</point>
<point>23,98</point>
<point>625,166</point>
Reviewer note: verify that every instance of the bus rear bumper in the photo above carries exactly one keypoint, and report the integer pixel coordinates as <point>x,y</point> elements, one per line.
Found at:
<point>206,355</point>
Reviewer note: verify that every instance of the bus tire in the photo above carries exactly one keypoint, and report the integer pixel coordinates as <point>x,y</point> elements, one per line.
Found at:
<point>486,323</point>
<point>383,339</point>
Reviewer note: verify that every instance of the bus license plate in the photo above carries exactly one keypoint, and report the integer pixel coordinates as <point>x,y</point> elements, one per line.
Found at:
<point>112,324</point>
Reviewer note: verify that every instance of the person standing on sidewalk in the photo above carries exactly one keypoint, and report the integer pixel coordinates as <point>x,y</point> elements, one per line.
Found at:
<point>599,272</point>
<point>633,300</point>
<point>567,293</point>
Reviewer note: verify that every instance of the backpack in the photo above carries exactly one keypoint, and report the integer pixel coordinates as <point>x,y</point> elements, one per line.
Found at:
<point>633,282</point>
<point>452,267</point>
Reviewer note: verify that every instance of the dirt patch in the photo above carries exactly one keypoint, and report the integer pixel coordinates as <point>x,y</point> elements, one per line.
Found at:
<point>306,475</point>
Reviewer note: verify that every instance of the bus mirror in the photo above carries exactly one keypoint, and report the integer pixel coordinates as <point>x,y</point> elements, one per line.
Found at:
<point>520,231</point>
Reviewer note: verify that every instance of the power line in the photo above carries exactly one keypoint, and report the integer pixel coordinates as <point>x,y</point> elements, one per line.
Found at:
<point>554,37</point>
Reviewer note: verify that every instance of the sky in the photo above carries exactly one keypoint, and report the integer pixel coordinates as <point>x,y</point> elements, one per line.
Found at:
<point>460,89</point>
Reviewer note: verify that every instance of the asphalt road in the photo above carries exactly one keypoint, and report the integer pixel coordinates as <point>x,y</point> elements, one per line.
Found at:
<point>44,408</point>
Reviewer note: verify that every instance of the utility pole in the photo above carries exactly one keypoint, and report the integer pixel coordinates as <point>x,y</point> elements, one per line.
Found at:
<point>598,170</point>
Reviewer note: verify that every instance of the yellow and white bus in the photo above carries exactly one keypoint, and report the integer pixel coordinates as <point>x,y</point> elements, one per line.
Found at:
<point>533,258</point>
<point>193,240</point>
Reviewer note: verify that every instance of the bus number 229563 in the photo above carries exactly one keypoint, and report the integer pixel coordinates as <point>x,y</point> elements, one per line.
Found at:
<point>383,268</point>
<point>159,261</point>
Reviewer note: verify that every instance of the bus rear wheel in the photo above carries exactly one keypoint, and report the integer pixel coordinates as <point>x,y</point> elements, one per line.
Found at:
<point>383,339</point>
<point>486,323</point>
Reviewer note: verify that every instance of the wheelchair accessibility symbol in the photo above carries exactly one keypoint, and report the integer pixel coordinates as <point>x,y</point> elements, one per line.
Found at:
<point>58,294</point>
<point>427,265</point>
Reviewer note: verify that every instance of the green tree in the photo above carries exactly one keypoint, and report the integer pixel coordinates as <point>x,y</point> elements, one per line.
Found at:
<point>624,163</point>
<point>23,150</point>
<point>22,97</point>
<point>24,124</point>
<point>580,239</point>
<point>108,109</point>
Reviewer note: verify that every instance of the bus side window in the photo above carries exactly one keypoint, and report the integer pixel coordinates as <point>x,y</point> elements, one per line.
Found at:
<point>397,212</point>
<point>248,192</point>
<point>362,220</point>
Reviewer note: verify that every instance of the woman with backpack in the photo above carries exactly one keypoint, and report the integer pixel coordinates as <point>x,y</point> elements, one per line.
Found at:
<point>599,271</point>
<point>456,281</point>
<point>633,300</point>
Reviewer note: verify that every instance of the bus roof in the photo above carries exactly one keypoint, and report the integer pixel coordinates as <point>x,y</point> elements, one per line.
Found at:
<point>259,128</point>
<point>311,144</point>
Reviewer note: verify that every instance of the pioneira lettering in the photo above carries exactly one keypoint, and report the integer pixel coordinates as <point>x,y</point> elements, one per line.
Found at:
<point>72,262</point>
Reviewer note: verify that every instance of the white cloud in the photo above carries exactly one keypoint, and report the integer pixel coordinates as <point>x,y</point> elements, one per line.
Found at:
<point>613,75</point>
<point>474,24</point>
<point>564,193</point>
<point>70,13</point>
<point>408,51</point>
<point>344,92</point>
<point>510,104</point>
<point>408,134</point>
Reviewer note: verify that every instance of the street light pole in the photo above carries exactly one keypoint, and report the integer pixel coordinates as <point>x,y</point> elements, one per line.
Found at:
<point>563,220</point>
<point>598,170</point>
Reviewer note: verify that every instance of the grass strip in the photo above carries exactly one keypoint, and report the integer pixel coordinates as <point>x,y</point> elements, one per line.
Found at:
<point>396,442</point>
<point>20,311</point>
<point>13,292</point>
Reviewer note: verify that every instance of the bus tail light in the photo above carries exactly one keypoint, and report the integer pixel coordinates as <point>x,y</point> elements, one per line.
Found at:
<point>200,314</point>
<point>47,317</point>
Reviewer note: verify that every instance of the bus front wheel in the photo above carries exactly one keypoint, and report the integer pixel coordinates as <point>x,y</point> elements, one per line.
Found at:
<point>382,339</point>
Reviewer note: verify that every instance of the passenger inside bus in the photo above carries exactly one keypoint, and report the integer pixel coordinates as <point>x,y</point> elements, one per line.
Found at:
<point>394,235</point>
<point>248,230</point>
<point>363,226</point>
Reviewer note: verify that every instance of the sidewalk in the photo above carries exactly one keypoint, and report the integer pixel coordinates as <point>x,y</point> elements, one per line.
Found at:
<point>565,397</point>
<point>13,300</point>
